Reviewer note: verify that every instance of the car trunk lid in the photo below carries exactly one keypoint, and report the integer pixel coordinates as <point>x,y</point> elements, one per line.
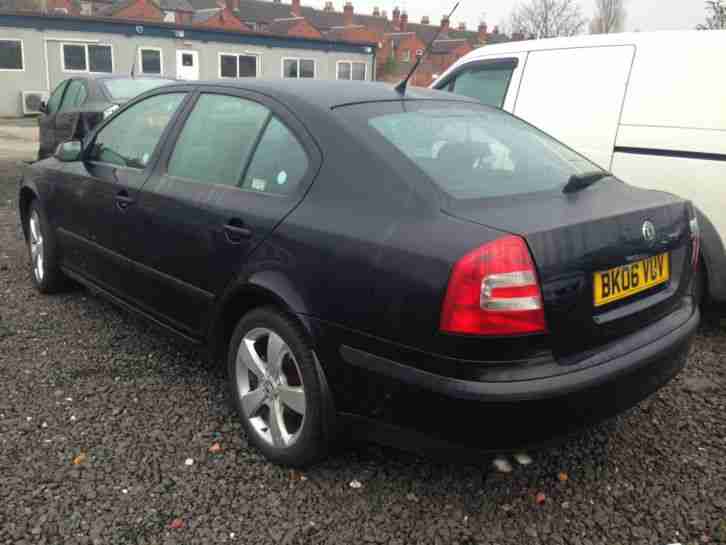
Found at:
<point>574,237</point>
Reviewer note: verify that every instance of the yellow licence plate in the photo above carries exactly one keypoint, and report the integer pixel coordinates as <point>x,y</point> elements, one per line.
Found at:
<point>627,280</point>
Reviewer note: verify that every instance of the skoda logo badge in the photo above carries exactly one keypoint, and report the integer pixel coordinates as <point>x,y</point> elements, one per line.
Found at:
<point>649,231</point>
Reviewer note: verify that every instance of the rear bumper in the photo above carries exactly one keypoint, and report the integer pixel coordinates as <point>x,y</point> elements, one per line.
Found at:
<point>646,353</point>
<point>425,411</point>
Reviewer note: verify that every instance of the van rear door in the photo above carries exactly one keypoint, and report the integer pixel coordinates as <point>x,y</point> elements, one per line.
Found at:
<point>577,95</point>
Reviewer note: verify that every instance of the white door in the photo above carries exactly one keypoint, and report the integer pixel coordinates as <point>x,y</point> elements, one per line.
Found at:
<point>187,64</point>
<point>577,95</point>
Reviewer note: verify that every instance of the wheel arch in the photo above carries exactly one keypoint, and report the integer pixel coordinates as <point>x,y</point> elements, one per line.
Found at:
<point>26,196</point>
<point>713,256</point>
<point>262,289</point>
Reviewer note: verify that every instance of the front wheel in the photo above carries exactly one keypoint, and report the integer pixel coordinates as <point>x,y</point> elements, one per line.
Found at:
<point>47,276</point>
<point>278,388</point>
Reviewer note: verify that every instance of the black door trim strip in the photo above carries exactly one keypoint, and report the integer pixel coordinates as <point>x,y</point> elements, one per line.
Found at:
<point>672,153</point>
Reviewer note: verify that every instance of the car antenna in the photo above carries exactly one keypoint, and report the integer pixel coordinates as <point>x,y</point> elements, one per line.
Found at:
<point>403,85</point>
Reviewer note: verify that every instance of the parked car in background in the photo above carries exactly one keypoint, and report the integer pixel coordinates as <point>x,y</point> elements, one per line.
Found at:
<point>366,260</point>
<point>647,106</point>
<point>78,104</point>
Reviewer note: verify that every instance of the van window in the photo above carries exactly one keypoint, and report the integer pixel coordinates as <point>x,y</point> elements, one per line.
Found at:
<point>487,83</point>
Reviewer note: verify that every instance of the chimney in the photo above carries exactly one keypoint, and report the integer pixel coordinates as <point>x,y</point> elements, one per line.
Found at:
<point>483,32</point>
<point>232,5</point>
<point>425,20</point>
<point>462,26</point>
<point>328,7</point>
<point>296,11</point>
<point>348,14</point>
<point>496,30</point>
<point>376,12</point>
<point>396,18</point>
<point>384,14</point>
<point>404,22</point>
<point>445,24</point>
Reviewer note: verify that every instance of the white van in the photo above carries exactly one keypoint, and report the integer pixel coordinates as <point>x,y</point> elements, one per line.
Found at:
<point>649,107</point>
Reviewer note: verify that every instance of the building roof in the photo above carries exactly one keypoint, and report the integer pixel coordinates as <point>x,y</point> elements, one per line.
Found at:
<point>158,29</point>
<point>283,26</point>
<point>175,5</point>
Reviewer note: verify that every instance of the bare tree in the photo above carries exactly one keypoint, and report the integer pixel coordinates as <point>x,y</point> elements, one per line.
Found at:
<point>716,18</point>
<point>547,19</point>
<point>609,17</point>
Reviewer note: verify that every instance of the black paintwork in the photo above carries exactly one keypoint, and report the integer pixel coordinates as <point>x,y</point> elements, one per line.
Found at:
<point>74,122</point>
<point>362,253</point>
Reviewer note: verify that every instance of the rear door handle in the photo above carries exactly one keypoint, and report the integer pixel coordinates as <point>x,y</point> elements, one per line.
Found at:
<point>236,231</point>
<point>123,200</point>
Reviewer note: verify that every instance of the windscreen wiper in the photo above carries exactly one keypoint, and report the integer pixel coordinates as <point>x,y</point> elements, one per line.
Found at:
<point>586,179</point>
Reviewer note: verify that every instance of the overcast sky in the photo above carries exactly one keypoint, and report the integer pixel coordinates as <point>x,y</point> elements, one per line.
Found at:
<point>642,14</point>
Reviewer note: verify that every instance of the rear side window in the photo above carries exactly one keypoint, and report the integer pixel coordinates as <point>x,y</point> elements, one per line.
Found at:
<point>75,95</point>
<point>488,83</point>
<point>55,99</point>
<point>217,139</point>
<point>130,138</point>
<point>469,151</point>
<point>279,163</point>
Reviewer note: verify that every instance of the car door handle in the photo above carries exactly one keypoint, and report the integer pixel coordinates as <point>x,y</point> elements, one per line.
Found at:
<point>236,231</point>
<point>123,200</point>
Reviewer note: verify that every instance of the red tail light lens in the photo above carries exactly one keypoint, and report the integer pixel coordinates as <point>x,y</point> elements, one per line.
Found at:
<point>494,291</point>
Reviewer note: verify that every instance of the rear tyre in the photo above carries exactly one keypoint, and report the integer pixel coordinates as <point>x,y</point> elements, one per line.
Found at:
<point>278,388</point>
<point>46,274</point>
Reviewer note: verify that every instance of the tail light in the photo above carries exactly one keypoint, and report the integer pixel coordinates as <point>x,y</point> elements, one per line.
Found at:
<point>494,291</point>
<point>695,242</point>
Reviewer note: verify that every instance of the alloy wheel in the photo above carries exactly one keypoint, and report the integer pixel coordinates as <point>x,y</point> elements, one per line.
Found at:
<point>270,387</point>
<point>36,247</point>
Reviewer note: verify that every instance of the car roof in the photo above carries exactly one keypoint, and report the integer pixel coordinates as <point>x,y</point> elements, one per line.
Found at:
<point>101,77</point>
<point>331,94</point>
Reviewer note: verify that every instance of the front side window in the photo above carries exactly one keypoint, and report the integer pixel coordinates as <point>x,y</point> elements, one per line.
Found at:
<point>470,151</point>
<point>150,61</point>
<point>298,68</point>
<point>355,71</point>
<point>11,55</point>
<point>129,140</point>
<point>217,139</point>
<point>486,83</point>
<point>55,98</point>
<point>238,66</point>
<point>279,163</point>
<point>92,58</point>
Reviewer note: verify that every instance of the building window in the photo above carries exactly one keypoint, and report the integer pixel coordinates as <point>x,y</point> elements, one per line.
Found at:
<point>87,58</point>
<point>406,56</point>
<point>349,70</point>
<point>151,61</point>
<point>298,68</point>
<point>233,65</point>
<point>11,55</point>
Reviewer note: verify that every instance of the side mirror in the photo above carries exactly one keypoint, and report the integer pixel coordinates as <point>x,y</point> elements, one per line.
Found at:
<point>69,151</point>
<point>43,107</point>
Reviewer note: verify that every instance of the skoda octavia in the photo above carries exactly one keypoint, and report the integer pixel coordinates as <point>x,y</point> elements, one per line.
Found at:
<point>416,266</point>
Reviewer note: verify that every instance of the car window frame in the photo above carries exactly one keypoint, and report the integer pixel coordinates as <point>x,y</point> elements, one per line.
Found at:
<point>500,62</point>
<point>149,168</point>
<point>277,109</point>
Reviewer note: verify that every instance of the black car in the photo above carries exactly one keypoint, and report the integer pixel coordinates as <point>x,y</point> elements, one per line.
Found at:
<point>405,267</point>
<point>78,104</point>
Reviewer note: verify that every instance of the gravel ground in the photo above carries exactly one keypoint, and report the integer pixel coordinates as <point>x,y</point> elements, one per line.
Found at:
<point>108,433</point>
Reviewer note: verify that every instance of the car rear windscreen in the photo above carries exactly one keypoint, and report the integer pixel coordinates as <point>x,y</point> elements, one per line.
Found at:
<point>123,89</point>
<point>470,151</point>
